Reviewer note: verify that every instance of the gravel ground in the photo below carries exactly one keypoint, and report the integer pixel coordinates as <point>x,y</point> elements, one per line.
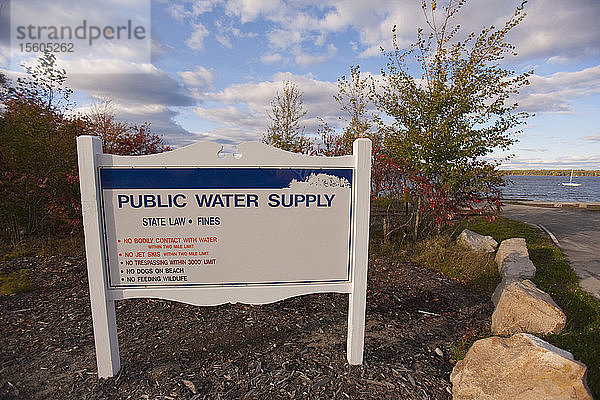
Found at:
<point>292,349</point>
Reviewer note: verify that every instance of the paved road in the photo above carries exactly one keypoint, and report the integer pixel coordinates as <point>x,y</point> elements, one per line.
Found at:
<point>578,234</point>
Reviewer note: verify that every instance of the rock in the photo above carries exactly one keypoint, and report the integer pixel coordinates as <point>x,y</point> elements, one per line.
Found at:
<point>477,242</point>
<point>500,288</point>
<point>523,269</point>
<point>520,367</point>
<point>525,308</point>
<point>513,259</point>
<point>513,247</point>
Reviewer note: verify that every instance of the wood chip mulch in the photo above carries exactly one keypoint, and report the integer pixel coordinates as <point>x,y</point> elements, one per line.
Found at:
<point>292,349</point>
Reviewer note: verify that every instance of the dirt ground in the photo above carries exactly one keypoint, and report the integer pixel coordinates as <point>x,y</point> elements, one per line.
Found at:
<point>292,349</point>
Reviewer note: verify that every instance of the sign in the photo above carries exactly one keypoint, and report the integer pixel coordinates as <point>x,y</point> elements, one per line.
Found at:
<point>190,226</point>
<point>226,226</point>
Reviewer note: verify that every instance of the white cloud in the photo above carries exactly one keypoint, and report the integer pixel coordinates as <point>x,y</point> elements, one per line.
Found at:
<point>255,95</point>
<point>245,114</point>
<point>306,32</point>
<point>568,29</point>
<point>224,40</point>
<point>249,10</point>
<point>181,11</point>
<point>271,58</point>
<point>301,25</point>
<point>313,28</point>
<point>224,32</point>
<point>318,95</point>
<point>178,12</point>
<point>556,92</point>
<point>200,77</point>
<point>196,40</point>
<point>321,39</point>
<point>544,102</point>
<point>282,39</point>
<point>228,136</point>
<point>126,82</point>
<point>162,121</point>
<point>567,162</point>
<point>200,7</point>
<point>371,51</point>
<point>87,18</point>
<point>552,30</point>
<point>4,31</point>
<point>234,117</point>
<point>139,92</point>
<point>305,59</point>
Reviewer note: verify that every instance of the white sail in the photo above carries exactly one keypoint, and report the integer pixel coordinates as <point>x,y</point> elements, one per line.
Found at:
<point>571,183</point>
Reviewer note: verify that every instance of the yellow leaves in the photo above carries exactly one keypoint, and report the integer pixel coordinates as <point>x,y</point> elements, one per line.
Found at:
<point>433,5</point>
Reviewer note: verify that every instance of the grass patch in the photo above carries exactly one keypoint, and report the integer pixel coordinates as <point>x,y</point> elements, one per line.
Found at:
<point>15,282</point>
<point>442,253</point>
<point>581,335</point>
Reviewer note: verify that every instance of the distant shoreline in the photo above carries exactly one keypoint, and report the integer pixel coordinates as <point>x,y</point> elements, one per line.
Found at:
<point>589,205</point>
<point>552,172</point>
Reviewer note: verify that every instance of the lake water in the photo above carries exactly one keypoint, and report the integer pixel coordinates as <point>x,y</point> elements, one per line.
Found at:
<point>548,188</point>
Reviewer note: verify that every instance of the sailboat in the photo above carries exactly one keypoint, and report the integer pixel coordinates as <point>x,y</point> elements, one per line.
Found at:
<point>570,183</point>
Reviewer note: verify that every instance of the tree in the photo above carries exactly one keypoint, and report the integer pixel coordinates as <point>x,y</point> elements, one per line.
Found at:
<point>285,131</point>
<point>120,137</point>
<point>44,84</point>
<point>38,169</point>
<point>39,186</point>
<point>459,111</point>
<point>355,98</point>
<point>38,163</point>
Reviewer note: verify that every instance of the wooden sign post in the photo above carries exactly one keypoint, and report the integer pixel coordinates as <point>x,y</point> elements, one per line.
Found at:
<point>255,227</point>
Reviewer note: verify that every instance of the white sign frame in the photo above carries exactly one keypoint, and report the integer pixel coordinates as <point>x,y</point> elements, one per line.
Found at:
<point>206,154</point>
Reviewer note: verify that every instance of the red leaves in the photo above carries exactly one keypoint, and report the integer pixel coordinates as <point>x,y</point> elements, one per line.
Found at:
<point>426,202</point>
<point>72,179</point>
<point>134,141</point>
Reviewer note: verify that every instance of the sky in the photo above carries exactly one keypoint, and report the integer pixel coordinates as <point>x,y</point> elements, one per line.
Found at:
<point>208,69</point>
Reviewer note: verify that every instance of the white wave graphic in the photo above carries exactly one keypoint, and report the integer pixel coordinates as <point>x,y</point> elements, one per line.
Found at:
<point>320,181</point>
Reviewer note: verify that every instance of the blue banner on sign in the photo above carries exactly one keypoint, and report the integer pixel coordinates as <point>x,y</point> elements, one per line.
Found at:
<point>211,178</point>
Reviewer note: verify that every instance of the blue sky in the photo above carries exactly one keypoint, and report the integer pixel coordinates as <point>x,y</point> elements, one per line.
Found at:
<point>212,67</point>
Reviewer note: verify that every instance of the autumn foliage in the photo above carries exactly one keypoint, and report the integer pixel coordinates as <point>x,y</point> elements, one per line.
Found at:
<point>39,185</point>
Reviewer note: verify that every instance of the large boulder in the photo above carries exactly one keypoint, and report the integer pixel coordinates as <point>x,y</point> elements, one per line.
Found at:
<point>477,242</point>
<point>500,288</point>
<point>520,367</point>
<point>525,308</point>
<point>513,259</point>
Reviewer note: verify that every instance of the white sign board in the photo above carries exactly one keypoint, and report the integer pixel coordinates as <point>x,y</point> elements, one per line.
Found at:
<point>191,226</point>
<point>226,226</point>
